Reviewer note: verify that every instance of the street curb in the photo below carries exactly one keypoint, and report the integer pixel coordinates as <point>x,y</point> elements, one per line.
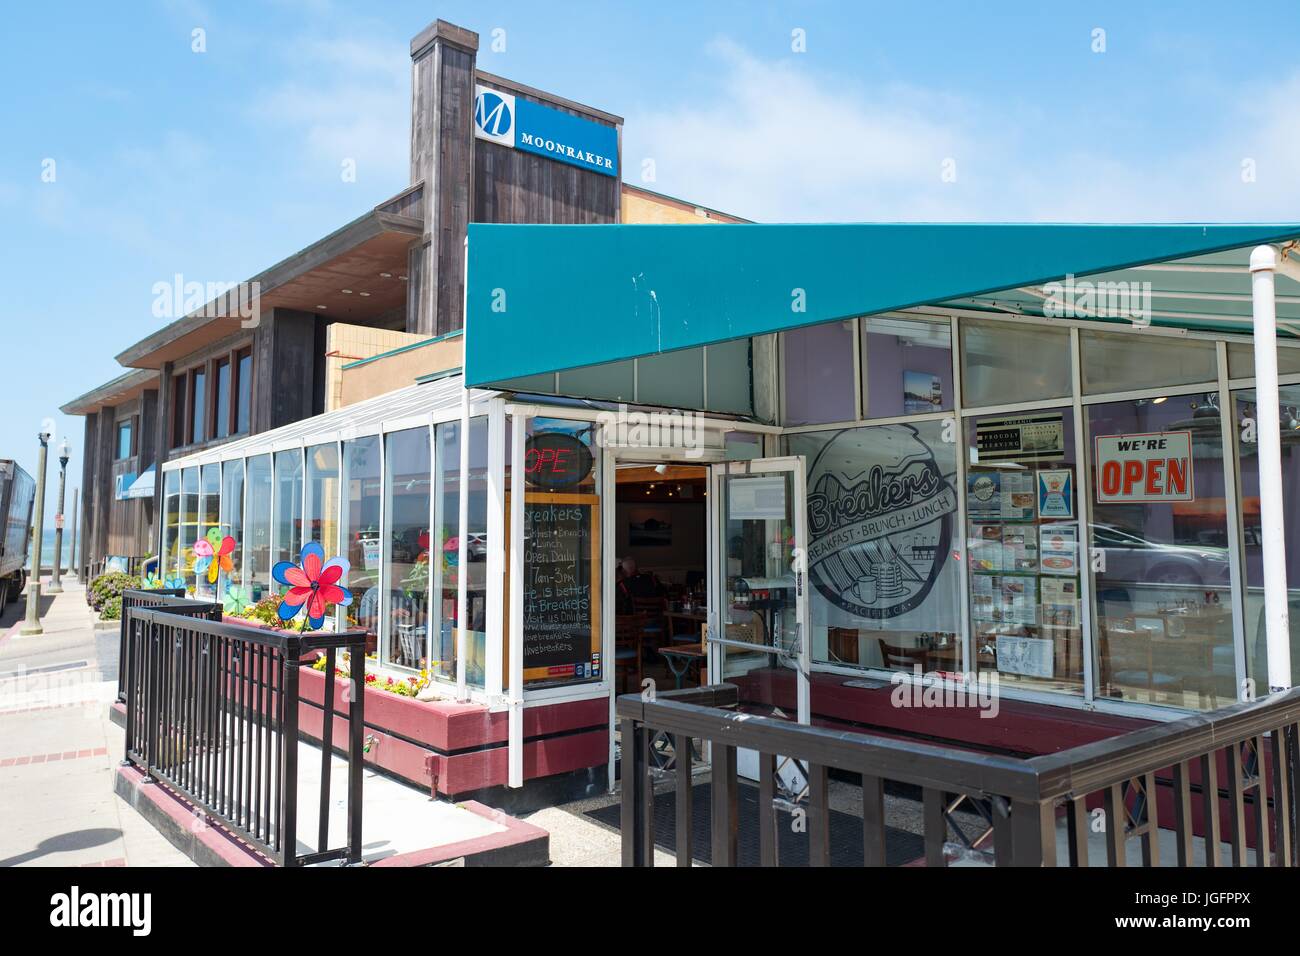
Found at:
<point>174,818</point>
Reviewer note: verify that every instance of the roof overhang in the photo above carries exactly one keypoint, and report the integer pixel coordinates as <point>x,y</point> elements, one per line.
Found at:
<point>124,388</point>
<point>367,258</point>
<point>548,298</point>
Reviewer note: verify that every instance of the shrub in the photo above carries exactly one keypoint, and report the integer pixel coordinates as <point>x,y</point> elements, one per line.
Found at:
<point>108,586</point>
<point>112,609</point>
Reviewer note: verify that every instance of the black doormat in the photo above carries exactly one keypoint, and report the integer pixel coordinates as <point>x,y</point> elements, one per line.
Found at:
<point>792,848</point>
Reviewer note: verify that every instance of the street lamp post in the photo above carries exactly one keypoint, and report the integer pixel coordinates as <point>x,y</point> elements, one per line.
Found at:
<point>56,582</point>
<point>33,623</point>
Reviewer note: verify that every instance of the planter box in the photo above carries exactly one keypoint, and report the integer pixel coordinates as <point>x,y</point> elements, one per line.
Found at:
<point>459,750</point>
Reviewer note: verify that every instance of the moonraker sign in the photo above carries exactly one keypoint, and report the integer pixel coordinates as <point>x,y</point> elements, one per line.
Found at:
<point>508,120</point>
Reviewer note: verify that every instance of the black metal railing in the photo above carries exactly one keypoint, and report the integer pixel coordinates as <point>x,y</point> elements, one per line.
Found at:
<point>140,598</point>
<point>988,808</point>
<point>212,710</point>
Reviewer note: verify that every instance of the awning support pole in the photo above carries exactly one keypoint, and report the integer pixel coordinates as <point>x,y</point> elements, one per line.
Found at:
<point>1263,263</point>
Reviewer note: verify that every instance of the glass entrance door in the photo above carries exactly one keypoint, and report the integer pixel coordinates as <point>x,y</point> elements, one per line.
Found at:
<point>758,626</point>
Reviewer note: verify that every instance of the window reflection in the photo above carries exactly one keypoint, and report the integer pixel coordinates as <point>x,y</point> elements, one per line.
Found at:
<point>408,472</point>
<point>1247,414</point>
<point>1160,552</point>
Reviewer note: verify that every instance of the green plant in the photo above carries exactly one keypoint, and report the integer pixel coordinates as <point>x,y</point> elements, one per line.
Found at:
<point>264,612</point>
<point>112,609</point>
<point>111,585</point>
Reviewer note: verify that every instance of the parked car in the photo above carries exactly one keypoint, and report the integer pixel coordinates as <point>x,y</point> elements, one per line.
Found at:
<point>1132,558</point>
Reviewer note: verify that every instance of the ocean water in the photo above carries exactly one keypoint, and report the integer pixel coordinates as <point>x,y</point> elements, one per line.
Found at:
<point>47,549</point>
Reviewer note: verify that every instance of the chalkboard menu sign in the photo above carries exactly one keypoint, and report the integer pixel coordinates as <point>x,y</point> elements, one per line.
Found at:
<point>561,587</point>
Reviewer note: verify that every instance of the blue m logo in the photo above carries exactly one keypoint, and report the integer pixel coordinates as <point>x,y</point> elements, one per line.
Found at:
<point>492,114</point>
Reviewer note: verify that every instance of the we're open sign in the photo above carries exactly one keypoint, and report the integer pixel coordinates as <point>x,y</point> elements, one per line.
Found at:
<point>1156,466</point>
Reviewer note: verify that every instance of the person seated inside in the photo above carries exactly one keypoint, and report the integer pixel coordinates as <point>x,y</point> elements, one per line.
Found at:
<point>632,584</point>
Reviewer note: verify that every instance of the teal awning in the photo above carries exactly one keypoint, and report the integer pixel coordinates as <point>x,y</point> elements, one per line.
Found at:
<point>548,298</point>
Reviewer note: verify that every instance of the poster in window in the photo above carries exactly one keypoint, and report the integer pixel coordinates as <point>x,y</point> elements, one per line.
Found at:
<point>1027,656</point>
<point>984,496</point>
<point>1018,501</point>
<point>1058,548</point>
<point>1023,438</point>
<point>1060,601</point>
<point>922,392</point>
<point>1056,493</point>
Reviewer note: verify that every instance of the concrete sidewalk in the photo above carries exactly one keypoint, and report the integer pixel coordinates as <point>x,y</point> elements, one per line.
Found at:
<point>59,750</point>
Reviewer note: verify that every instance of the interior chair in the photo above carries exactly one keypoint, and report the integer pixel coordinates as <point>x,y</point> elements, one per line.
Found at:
<point>629,635</point>
<point>903,658</point>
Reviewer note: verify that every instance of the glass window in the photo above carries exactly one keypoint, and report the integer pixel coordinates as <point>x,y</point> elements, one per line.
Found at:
<point>322,508</point>
<point>1023,549</point>
<point>244,400</point>
<point>209,517</point>
<point>199,388</point>
<point>361,535</point>
<point>675,379</point>
<point>408,472</point>
<point>1160,540</point>
<point>288,509</point>
<point>189,524</point>
<point>817,374</point>
<point>477,547</point>
<point>615,381</point>
<point>446,545</point>
<point>124,448</point>
<point>222,424</point>
<point>729,370</point>
<point>561,554</point>
<point>906,366</point>
<point>882,526</point>
<point>1241,360</point>
<point>1007,362</point>
<point>1247,413</point>
<point>257,528</point>
<point>232,514</point>
<point>1119,362</point>
<point>171,536</point>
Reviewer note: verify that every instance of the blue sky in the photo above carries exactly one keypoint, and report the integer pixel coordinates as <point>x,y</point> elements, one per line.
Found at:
<point>218,164</point>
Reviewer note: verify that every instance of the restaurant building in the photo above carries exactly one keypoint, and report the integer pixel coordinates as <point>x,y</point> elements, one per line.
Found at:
<point>818,462</point>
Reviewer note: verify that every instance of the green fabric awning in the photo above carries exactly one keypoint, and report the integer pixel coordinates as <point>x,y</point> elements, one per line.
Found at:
<point>548,298</point>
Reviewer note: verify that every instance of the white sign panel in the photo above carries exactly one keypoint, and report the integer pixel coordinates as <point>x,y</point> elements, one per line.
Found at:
<point>756,498</point>
<point>1148,467</point>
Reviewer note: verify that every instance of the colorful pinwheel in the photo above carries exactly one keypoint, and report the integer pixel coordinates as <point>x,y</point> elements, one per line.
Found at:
<point>213,554</point>
<point>235,601</point>
<point>313,585</point>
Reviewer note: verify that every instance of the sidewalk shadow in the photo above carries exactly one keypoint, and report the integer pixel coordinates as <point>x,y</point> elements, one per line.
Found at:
<point>17,611</point>
<point>65,842</point>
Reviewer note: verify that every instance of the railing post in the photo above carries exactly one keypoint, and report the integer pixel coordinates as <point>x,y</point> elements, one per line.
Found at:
<point>1033,833</point>
<point>724,822</point>
<point>127,604</point>
<point>638,839</point>
<point>289,761</point>
<point>326,753</point>
<point>126,669</point>
<point>150,708</point>
<point>356,748</point>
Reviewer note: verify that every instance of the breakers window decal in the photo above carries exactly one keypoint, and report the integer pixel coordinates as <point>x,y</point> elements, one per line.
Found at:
<point>879,535</point>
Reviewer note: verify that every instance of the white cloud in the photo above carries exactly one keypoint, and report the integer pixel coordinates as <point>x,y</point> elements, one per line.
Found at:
<point>775,141</point>
<point>348,99</point>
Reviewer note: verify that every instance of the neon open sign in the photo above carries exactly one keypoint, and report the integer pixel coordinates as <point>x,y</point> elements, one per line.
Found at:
<point>556,460</point>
